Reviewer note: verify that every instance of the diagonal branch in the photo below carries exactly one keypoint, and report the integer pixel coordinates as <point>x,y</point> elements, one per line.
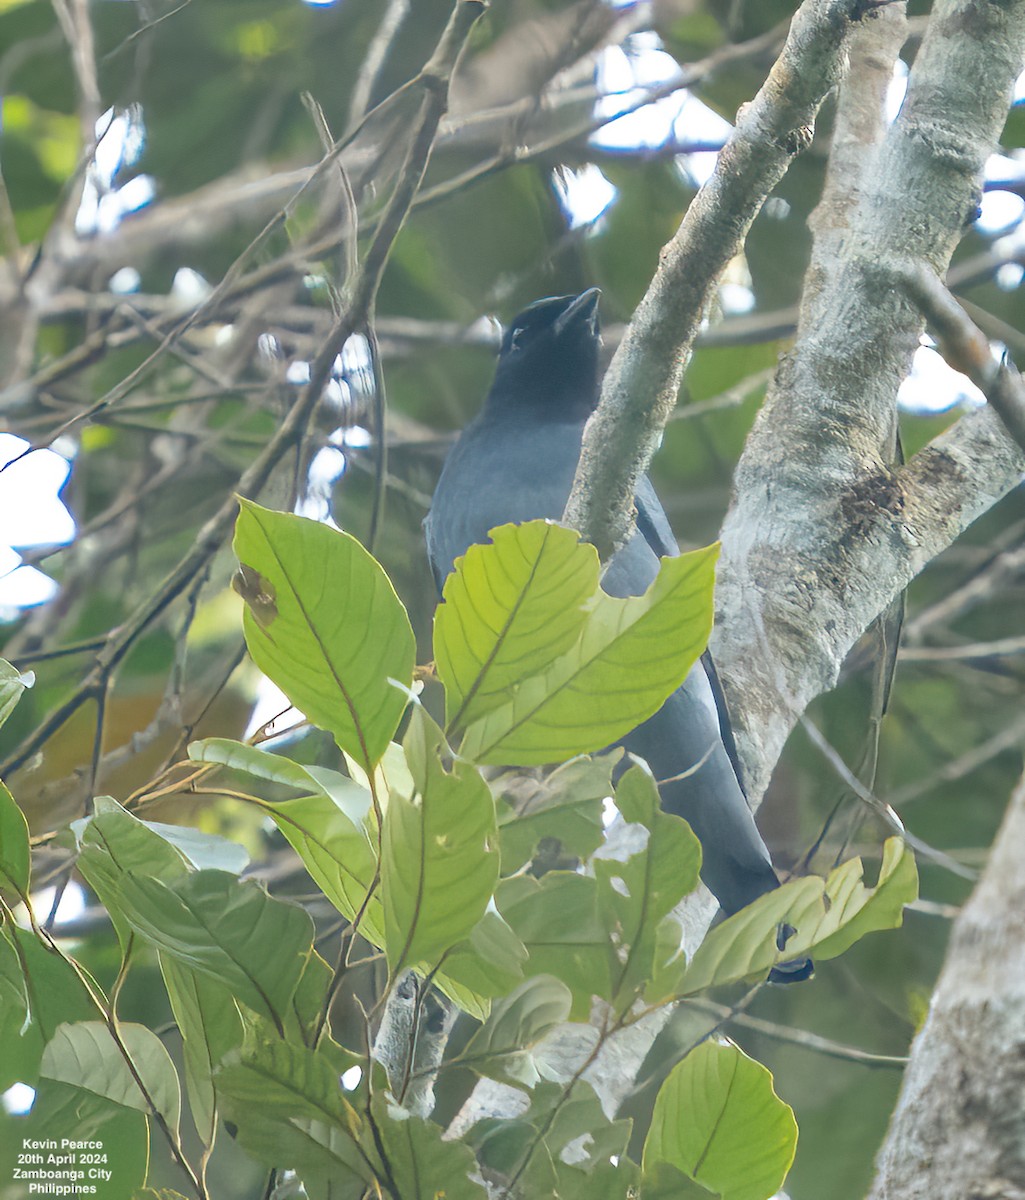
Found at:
<point>643,379</point>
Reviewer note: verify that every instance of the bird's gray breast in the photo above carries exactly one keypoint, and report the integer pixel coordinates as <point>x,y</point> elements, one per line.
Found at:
<point>515,472</point>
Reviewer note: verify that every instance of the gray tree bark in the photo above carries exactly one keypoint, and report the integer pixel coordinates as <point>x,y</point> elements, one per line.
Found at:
<point>958,1132</point>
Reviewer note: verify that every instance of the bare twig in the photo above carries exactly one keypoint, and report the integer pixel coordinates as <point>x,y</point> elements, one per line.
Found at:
<point>433,85</point>
<point>966,349</point>
<point>374,59</point>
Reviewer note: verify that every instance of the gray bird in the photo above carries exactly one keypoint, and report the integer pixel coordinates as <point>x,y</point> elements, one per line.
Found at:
<point>515,462</point>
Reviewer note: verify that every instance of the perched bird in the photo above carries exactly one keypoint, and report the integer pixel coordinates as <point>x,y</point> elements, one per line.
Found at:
<point>515,462</point>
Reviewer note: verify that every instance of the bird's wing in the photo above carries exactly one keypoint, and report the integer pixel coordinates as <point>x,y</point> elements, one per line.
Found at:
<point>653,522</point>
<point>653,525</point>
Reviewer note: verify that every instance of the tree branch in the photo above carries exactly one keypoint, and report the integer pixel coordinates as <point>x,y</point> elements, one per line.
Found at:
<point>641,385</point>
<point>959,1126</point>
<point>823,532</point>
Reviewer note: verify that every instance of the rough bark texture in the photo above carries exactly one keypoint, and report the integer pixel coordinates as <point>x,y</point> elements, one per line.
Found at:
<point>958,1132</point>
<point>823,533</point>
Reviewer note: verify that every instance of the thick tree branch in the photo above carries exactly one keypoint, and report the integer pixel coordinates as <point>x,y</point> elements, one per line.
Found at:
<point>823,533</point>
<point>959,1126</point>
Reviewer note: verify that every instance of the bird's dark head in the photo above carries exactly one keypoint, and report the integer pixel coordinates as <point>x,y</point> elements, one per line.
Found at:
<point>548,362</point>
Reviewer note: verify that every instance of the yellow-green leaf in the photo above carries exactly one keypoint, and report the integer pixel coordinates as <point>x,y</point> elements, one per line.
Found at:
<point>719,1121</point>
<point>322,620</point>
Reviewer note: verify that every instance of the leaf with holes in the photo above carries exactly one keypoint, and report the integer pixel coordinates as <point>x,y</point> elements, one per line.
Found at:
<point>629,656</point>
<point>322,621</point>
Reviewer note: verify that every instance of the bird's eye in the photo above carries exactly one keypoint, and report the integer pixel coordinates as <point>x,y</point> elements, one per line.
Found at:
<point>518,337</point>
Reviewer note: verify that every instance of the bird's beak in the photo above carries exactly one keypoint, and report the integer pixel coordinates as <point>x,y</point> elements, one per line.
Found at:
<point>583,308</point>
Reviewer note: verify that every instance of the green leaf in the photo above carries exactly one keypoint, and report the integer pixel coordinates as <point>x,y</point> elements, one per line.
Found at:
<point>510,608</point>
<point>555,1119</point>
<point>639,893</point>
<point>718,1120</point>
<point>854,909</point>
<point>565,805</point>
<point>439,861</point>
<point>327,828</point>
<point>210,1026</point>
<point>112,846</point>
<point>304,1022</point>
<point>250,760</point>
<point>39,991</point>
<point>664,1182</point>
<point>289,1111</point>
<point>420,1162</point>
<point>86,1056</point>
<point>328,834</point>
<point>64,1110</point>
<point>558,920</point>
<point>12,684</point>
<point>390,775</point>
<point>15,857</point>
<point>669,962</point>
<point>566,1117</point>
<point>323,622</point>
<point>488,963</point>
<point>606,1181</point>
<point>202,849</point>
<point>500,1049</point>
<point>225,928</point>
<point>630,656</point>
<point>744,945</point>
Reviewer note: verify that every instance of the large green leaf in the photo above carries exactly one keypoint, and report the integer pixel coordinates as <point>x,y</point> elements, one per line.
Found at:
<point>86,1056</point>
<point>85,1115</point>
<point>557,918</point>
<point>327,828</point>
<point>39,991</point>
<point>855,909</point>
<point>501,1048</point>
<point>718,1120</point>
<point>630,655</point>
<point>114,845</point>
<point>289,1111</point>
<point>510,608</point>
<point>827,916</point>
<point>439,856</point>
<point>488,963</point>
<point>335,848</point>
<point>557,1118</point>
<point>210,1026</point>
<point>637,895</point>
<point>226,928</point>
<point>420,1162</point>
<point>323,622</point>
<point>15,859</point>
<point>251,760</point>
